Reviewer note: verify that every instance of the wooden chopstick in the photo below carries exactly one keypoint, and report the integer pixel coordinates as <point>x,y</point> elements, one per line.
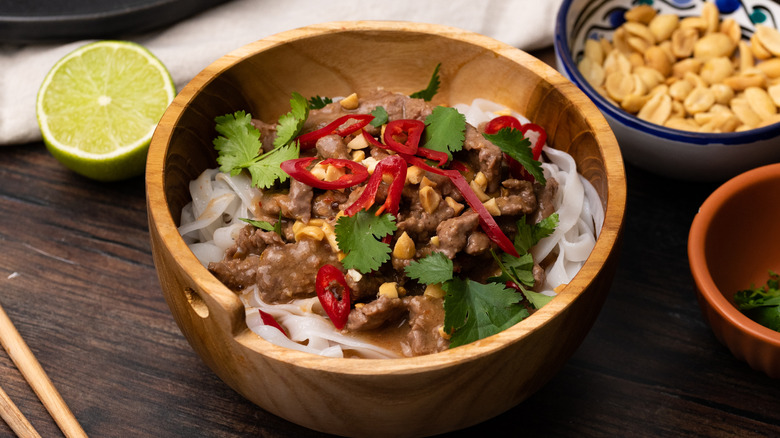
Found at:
<point>14,418</point>
<point>32,371</point>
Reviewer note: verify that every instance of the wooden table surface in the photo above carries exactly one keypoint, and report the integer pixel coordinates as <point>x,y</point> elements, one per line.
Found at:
<point>77,279</point>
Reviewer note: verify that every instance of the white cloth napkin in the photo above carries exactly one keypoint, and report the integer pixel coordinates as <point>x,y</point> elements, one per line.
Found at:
<point>189,46</point>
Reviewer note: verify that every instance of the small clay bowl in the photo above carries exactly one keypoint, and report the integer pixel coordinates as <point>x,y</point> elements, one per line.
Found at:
<point>732,246</point>
<point>369,397</point>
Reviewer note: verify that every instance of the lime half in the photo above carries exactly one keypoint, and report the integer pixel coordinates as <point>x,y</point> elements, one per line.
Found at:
<point>99,105</point>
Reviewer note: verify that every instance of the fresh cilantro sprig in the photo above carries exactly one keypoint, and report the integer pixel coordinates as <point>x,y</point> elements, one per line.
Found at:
<point>317,102</point>
<point>360,238</point>
<point>431,269</point>
<point>290,124</point>
<point>433,87</point>
<point>474,311</point>
<point>519,270</point>
<point>380,117</point>
<point>239,147</point>
<point>513,143</point>
<point>762,305</point>
<point>445,130</point>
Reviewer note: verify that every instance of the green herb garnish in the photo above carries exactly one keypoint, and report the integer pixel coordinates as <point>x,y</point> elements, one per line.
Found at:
<point>762,305</point>
<point>360,238</point>
<point>433,87</point>
<point>239,148</point>
<point>318,102</point>
<point>513,143</point>
<point>445,130</point>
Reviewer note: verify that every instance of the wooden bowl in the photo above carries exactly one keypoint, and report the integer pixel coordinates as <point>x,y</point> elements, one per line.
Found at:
<point>361,397</point>
<point>731,247</point>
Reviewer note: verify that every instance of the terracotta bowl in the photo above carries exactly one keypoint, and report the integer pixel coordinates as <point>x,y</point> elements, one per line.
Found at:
<point>411,396</point>
<point>668,152</point>
<point>732,246</point>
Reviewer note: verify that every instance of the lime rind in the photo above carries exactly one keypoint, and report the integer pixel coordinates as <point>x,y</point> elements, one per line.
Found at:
<point>97,111</point>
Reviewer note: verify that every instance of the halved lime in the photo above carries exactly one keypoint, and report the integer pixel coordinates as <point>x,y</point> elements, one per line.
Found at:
<point>99,105</point>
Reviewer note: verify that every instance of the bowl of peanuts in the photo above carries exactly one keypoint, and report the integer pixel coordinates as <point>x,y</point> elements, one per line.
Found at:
<point>690,88</point>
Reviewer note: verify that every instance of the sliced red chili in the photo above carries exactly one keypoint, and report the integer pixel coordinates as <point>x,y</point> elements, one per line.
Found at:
<point>403,136</point>
<point>541,138</point>
<point>486,220</point>
<point>297,168</point>
<point>270,320</point>
<point>309,140</point>
<point>502,122</point>
<point>336,309</point>
<point>394,166</point>
<point>438,156</point>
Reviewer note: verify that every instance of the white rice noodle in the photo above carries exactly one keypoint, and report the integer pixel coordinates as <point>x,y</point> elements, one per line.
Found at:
<point>211,222</point>
<point>308,331</point>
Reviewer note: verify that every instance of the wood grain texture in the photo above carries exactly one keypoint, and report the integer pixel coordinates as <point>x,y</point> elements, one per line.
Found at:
<point>33,372</point>
<point>77,279</point>
<point>405,396</point>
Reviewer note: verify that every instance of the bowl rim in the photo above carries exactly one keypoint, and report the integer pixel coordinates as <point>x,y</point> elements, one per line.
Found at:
<point>702,277</point>
<point>605,247</point>
<point>695,139</point>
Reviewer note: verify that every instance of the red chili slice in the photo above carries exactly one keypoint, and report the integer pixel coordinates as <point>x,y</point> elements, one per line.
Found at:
<point>408,131</point>
<point>309,140</point>
<point>394,166</point>
<point>297,168</point>
<point>486,220</point>
<point>336,309</point>
<point>502,122</point>
<point>270,320</point>
<point>438,156</point>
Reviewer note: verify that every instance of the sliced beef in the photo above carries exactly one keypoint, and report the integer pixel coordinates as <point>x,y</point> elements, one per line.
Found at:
<point>484,157</point>
<point>375,314</point>
<point>326,205</point>
<point>545,194</point>
<point>453,233</point>
<point>519,199</point>
<point>297,203</point>
<point>252,241</point>
<point>478,243</point>
<point>332,146</point>
<point>426,316</point>
<point>281,273</point>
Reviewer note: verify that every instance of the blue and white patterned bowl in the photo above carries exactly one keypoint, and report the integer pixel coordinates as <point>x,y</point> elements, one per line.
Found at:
<point>664,151</point>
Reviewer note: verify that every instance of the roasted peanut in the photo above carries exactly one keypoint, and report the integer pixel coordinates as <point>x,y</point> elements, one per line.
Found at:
<point>715,70</point>
<point>429,199</point>
<point>760,102</point>
<point>640,14</point>
<point>662,26</point>
<point>713,45</point>
<point>769,38</point>
<point>404,247</point>
<point>657,110</point>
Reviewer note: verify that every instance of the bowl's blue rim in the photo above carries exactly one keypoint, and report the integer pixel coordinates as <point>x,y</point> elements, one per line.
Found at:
<point>563,51</point>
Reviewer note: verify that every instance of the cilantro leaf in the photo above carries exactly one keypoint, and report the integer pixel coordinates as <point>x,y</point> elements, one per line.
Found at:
<point>475,311</point>
<point>529,235</point>
<point>290,124</point>
<point>431,269</point>
<point>433,87</point>
<point>265,225</point>
<point>239,143</point>
<point>265,170</point>
<point>445,130</point>
<point>762,305</point>
<point>318,102</point>
<point>513,143</point>
<point>380,117</point>
<point>359,236</point>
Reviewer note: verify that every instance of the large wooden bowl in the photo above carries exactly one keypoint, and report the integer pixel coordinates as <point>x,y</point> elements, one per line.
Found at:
<point>394,397</point>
